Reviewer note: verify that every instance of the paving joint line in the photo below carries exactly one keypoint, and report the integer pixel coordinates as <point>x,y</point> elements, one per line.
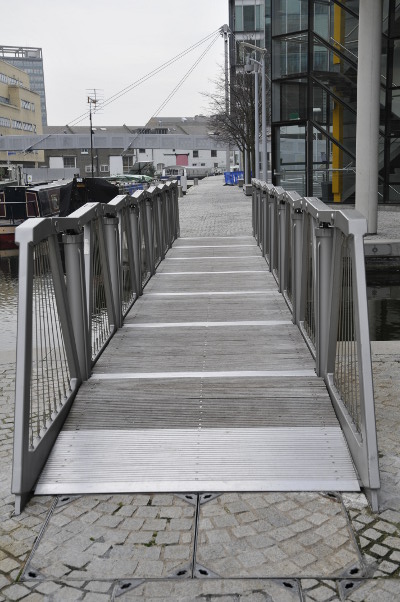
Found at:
<point>38,540</point>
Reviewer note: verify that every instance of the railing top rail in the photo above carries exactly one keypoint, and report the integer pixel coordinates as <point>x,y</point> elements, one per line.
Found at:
<point>34,230</point>
<point>139,195</point>
<point>119,202</point>
<point>279,193</point>
<point>350,222</point>
<point>294,199</point>
<point>268,188</point>
<point>318,210</point>
<point>81,216</point>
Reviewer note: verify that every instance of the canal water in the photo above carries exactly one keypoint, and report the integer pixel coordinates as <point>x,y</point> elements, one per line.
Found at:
<point>383,294</point>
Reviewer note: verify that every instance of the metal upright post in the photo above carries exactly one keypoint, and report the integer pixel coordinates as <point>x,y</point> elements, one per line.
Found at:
<point>256,125</point>
<point>150,234</point>
<point>324,241</point>
<point>297,251</point>
<point>113,252</point>
<point>368,107</point>
<point>264,121</point>
<point>226,31</point>
<point>76,292</point>
<point>282,246</point>
<point>134,219</point>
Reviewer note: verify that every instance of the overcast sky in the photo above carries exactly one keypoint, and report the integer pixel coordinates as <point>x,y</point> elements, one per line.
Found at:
<point>109,44</point>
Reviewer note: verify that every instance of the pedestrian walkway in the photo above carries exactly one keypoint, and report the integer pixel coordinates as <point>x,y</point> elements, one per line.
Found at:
<point>207,387</point>
<point>237,546</point>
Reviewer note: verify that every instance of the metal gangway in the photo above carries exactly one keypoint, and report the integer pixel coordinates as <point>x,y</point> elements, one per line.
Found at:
<point>149,362</point>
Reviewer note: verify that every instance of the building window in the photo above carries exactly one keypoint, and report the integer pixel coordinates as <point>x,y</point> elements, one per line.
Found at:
<point>161,130</point>
<point>69,162</point>
<point>215,164</point>
<point>195,153</point>
<point>213,153</point>
<point>142,151</point>
<point>203,164</point>
<point>84,151</point>
<point>88,169</point>
<point>5,122</point>
<point>104,168</point>
<point>128,162</point>
<point>248,18</point>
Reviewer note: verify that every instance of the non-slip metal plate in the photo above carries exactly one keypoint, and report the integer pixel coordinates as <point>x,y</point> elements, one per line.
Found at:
<point>216,459</point>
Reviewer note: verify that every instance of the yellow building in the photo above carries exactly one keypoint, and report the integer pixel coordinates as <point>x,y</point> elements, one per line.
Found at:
<point>20,113</point>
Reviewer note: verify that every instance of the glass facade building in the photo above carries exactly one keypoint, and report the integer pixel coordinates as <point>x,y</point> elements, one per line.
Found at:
<point>314,55</point>
<point>29,60</point>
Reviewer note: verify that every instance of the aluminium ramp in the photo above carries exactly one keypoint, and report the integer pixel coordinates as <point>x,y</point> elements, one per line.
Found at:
<point>207,387</point>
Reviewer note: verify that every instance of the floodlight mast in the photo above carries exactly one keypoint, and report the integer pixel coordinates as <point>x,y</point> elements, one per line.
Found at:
<point>263,52</point>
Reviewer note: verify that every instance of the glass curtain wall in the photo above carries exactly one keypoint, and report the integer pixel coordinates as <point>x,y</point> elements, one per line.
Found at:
<point>390,99</point>
<point>314,49</point>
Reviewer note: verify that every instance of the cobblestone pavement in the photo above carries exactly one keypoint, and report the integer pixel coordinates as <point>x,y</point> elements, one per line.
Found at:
<point>250,547</point>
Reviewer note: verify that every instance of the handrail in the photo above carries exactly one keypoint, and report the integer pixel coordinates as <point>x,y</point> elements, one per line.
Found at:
<point>316,255</point>
<point>78,277</point>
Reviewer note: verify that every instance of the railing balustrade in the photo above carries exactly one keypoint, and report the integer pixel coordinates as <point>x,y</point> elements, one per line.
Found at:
<point>78,278</point>
<point>316,254</point>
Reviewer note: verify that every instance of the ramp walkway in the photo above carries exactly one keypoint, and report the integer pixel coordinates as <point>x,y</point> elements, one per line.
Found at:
<point>208,386</point>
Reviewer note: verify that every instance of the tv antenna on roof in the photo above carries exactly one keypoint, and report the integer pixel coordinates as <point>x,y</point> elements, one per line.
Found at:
<point>95,102</point>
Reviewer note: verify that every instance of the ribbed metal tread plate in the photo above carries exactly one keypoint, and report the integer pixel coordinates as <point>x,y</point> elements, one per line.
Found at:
<point>211,459</point>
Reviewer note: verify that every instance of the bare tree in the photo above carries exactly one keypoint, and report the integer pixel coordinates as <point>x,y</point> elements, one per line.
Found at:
<point>235,126</point>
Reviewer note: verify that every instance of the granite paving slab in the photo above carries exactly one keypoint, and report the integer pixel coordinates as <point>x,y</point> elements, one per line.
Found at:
<point>114,537</point>
<point>275,535</point>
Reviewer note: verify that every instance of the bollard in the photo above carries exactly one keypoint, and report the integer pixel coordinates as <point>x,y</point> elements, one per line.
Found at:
<point>180,193</point>
<point>196,181</point>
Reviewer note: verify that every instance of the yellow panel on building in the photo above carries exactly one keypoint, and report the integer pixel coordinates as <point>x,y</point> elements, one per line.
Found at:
<point>20,112</point>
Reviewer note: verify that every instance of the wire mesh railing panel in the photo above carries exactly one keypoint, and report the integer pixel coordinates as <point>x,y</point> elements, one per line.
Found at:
<point>100,325</point>
<point>50,381</point>
<point>346,372</point>
<point>128,277</point>
<point>309,307</point>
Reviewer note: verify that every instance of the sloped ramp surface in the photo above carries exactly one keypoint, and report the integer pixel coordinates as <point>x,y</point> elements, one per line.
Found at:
<point>207,387</point>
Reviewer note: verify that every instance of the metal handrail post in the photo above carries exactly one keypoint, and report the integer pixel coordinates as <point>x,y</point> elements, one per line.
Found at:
<point>297,263</point>
<point>113,253</point>
<point>161,223</point>
<point>253,208</point>
<point>134,220</point>
<point>76,292</point>
<point>271,229</point>
<point>263,222</point>
<point>324,241</point>
<point>282,276</point>
<point>177,222</point>
<point>150,234</point>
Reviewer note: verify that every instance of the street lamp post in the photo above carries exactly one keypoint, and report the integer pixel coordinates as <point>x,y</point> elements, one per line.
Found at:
<point>249,68</point>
